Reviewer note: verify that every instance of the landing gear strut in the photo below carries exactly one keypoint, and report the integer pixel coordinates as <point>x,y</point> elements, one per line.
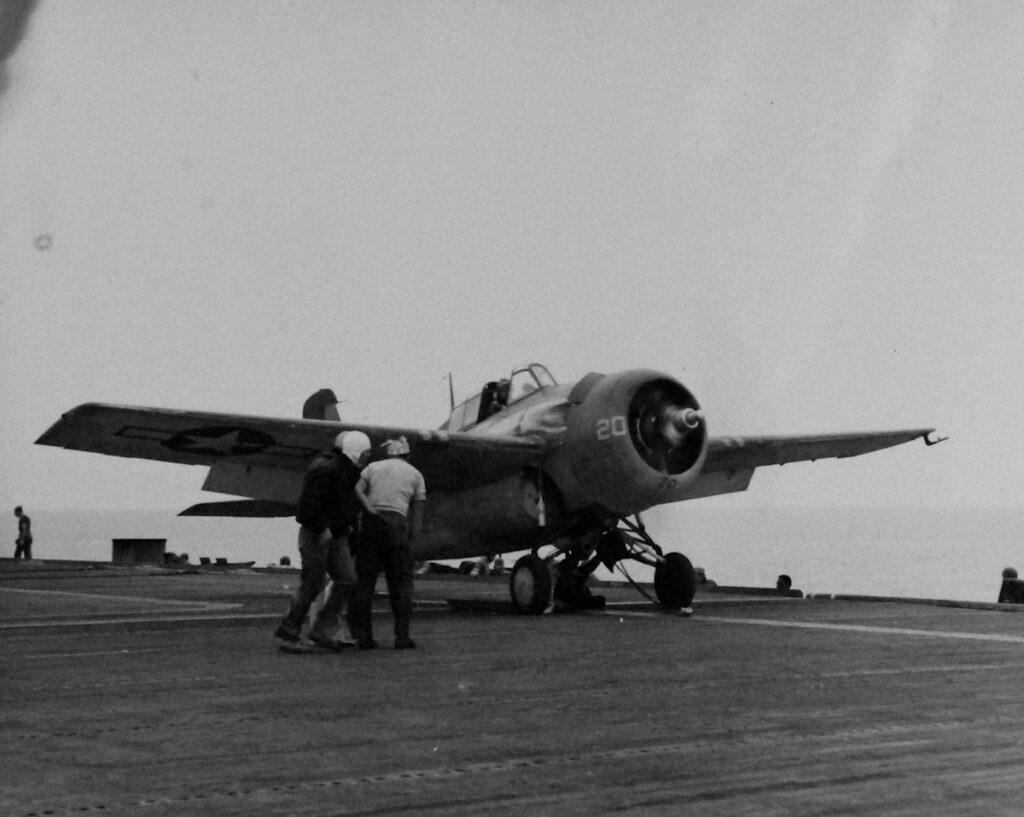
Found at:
<point>535,583</point>
<point>532,585</point>
<point>675,580</point>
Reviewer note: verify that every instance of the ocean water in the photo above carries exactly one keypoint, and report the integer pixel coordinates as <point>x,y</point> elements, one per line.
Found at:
<point>73,534</point>
<point>922,553</point>
<point>915,552</point>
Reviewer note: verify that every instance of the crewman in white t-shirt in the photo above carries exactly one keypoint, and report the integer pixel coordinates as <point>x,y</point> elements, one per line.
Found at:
<point>396,491</point>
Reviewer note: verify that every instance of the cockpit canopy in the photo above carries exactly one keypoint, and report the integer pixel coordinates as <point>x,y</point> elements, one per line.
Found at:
<point>497,394</point>
<point>527,380</point>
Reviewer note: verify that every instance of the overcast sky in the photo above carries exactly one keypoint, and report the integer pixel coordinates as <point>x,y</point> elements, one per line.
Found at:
<point>810,213</point>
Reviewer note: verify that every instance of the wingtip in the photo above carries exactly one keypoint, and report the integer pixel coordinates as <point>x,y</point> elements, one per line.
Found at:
<point>56,435</point>
<point>52,436</point>
<point>929,441</point>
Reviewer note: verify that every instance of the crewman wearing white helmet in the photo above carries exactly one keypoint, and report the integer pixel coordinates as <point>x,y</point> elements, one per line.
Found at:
<point>396,492</point>
<point>327,512</point>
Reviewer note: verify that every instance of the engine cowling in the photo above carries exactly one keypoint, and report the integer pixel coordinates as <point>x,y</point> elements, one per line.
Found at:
<point>634,440</point>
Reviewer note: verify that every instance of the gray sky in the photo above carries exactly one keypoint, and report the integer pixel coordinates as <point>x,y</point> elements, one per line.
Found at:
<point>808,212</point>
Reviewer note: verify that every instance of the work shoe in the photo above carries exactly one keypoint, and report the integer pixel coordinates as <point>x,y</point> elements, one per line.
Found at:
<point>325,642</point>
<point>366,644</point>
<point>345,637</point>
<point>405,643</point>
<point>286,633</point>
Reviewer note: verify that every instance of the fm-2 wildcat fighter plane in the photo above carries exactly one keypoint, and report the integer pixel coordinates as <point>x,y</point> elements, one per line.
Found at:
<point>526,464</point>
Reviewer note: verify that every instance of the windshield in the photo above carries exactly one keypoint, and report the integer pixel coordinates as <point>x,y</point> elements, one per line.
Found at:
<point>527,380</point>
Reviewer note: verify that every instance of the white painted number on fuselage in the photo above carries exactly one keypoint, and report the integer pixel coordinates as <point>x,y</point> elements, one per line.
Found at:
<point>608,427</point>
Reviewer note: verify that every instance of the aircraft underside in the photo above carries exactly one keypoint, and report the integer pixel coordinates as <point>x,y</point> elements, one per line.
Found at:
<point>565,547</point>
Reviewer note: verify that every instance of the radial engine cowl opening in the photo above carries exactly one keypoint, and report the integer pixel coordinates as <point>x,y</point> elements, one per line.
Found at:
<point>666,426</point>
<point>636,440</point>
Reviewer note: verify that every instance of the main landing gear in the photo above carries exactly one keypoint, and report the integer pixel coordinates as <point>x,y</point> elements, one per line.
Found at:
<point>531,585</point>
<point>538,581</point>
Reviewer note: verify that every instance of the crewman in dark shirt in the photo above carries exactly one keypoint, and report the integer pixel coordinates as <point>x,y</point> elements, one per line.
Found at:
<point>326,513</point>
<point>23,544</point>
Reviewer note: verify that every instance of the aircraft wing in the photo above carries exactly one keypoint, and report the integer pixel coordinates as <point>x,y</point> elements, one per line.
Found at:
<point>731,461</point>
<point>264,458</point>
<point>738,453</point>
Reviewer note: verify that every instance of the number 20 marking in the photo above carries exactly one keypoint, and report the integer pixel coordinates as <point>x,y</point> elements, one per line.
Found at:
<point>608,427</point>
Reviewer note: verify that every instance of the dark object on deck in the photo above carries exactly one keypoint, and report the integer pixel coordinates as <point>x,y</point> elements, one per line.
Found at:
<point>222,564</point>
<point>1012,589</point>
<point>784,582</point>
<point>138,551</point>
<point>437,567</point>
<point>571,591</point>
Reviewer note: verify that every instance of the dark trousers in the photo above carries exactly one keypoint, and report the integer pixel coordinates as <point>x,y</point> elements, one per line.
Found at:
<point>23,548</point>
<point>323,557</point>
<point>383,545</point>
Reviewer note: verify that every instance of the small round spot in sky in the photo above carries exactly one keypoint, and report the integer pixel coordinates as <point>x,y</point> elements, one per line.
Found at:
<point>43,242</point>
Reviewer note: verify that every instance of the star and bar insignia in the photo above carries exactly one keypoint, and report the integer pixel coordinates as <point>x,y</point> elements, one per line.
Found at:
<point>220,440</point>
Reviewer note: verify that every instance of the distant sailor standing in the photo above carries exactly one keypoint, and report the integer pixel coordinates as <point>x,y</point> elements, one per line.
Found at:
<point>396,492</point>
<point>23,544</point>
<point>327,511</point>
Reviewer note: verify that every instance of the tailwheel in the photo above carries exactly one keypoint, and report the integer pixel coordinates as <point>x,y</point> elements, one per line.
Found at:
<point>530,585</point>
<point>675,582</point>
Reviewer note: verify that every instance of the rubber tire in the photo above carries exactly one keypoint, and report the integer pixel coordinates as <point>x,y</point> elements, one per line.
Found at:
<point>675,582</point>
<point>530,585</point>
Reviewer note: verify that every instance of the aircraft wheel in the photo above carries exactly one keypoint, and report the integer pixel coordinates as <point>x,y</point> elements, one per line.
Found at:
<point>530,585</point>
<point>675,582</point>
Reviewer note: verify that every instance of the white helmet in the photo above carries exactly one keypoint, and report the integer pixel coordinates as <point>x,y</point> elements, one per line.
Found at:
<point>397,448</point>
<point>352,444</point>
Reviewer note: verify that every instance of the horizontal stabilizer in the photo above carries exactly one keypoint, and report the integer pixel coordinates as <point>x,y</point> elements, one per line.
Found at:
<point>256,508</point>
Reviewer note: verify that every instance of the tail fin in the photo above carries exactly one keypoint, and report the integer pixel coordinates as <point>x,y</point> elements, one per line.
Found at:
<point>321,406</point>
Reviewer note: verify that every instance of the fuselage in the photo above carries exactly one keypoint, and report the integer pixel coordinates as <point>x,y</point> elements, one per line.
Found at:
<point>610,447</point>
<point>509,514</point>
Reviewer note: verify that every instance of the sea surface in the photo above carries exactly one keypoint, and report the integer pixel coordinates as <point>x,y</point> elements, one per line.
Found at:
<point>954,554</point>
